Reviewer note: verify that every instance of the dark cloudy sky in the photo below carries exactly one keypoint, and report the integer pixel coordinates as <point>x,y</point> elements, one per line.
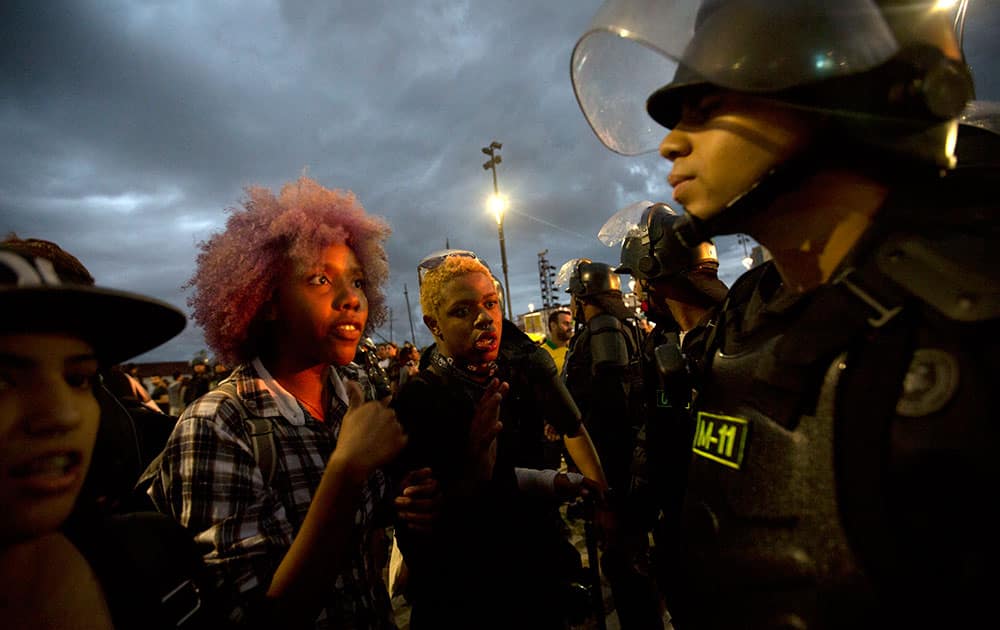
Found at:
<point>128,127</point>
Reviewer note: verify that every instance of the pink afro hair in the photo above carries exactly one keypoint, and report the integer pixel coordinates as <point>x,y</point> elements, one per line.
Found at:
<point>238,269</point>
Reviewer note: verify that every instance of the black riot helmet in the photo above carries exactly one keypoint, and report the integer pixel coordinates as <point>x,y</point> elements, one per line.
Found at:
<point>585,278</point>
<point>868,65</point>
<point>883,80</point>
<point>650,250</point>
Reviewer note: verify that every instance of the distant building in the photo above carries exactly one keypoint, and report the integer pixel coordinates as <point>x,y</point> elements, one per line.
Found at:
<point>162,368</point>
<point>536,323</point>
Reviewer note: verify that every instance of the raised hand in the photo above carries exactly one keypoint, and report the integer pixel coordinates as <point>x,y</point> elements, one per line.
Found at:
<point>484,429</point>
<point>419,500</point>
<point>486,420</point>
<point>370,436</point>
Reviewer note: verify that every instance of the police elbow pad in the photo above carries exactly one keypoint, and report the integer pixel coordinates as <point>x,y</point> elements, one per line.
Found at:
<point>560,408</point>
<point>540,365</point>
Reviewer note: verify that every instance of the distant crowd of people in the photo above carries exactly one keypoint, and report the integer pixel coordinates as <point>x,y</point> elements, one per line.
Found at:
<point>170,394</point>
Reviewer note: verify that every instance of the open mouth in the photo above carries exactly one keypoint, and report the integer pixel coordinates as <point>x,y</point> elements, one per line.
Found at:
<point>49,473</point>
<point>486,343</point>
<point>347,331</point>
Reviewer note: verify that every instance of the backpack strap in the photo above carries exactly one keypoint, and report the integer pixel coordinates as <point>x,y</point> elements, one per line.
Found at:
<point>260,430</point>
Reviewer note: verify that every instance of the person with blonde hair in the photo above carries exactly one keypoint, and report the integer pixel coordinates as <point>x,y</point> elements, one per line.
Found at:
<point>475,416</point>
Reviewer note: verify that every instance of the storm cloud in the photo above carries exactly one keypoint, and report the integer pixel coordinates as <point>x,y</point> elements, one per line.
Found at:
<point>129,127</point>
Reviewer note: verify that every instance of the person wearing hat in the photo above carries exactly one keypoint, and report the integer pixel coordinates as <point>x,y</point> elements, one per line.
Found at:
<point>49,420</point>
<point>843,414</point>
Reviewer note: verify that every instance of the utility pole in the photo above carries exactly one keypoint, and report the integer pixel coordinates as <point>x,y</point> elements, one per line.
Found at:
<point>413,336</point>
<point>546,276</point>
<point>498,206</point>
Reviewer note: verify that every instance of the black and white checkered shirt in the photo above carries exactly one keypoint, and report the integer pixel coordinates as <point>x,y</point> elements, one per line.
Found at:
<point>210,482</point>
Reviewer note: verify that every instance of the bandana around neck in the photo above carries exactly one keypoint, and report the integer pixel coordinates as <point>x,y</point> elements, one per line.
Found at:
<point>468,371</point>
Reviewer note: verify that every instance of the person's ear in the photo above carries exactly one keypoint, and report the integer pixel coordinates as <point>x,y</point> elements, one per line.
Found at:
<point>432,325</point>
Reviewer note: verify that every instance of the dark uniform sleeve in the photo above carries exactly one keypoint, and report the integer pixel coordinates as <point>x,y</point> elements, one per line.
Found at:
<point>597,381</point>
<point>559,408</point>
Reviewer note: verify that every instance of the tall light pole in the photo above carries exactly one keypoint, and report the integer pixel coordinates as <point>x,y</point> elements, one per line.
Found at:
<point>413,336</point>
<point>747,259</point>
<point>498,205</point>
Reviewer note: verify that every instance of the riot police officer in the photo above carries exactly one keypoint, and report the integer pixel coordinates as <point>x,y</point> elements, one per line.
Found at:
<point>678,286</point>
<point>679,290</point>
<point>604,374</point>
<point>842,440</point>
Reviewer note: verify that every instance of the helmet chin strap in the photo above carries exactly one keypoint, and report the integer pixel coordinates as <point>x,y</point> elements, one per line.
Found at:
<point>660,318</point>
<point>691,231</point>
<point>733,218</point>
<point>837,145</point>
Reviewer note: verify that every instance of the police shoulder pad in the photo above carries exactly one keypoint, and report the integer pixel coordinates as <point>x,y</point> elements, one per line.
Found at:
<point>604,322</point>
<point>957,276</point>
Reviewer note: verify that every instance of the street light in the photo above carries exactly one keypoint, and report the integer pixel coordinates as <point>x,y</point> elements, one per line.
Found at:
<point>497,204</point>
<point>747,259</point>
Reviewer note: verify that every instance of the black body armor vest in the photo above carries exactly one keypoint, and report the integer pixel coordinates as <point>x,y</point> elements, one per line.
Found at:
<point>604,375</point>
<point>841,471</point>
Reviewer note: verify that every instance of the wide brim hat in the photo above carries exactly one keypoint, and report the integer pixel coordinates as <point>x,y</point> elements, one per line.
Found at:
<point>118,324</point>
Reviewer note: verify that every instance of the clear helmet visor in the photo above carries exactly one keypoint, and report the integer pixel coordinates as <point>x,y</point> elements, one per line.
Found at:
<point>635,47</point>
<point>566,272</point>
<point>982,114</point>
<point>625,223</point>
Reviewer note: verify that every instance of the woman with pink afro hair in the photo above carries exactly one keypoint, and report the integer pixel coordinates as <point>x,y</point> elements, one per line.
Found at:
<point>238,269</point>
<point>285,294</point>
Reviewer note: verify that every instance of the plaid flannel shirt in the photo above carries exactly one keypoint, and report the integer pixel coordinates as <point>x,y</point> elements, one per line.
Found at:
<point>210,482</point>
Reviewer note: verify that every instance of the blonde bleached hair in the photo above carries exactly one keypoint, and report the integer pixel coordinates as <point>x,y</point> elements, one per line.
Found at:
<point>432,286</point>
<point>238,269</point>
